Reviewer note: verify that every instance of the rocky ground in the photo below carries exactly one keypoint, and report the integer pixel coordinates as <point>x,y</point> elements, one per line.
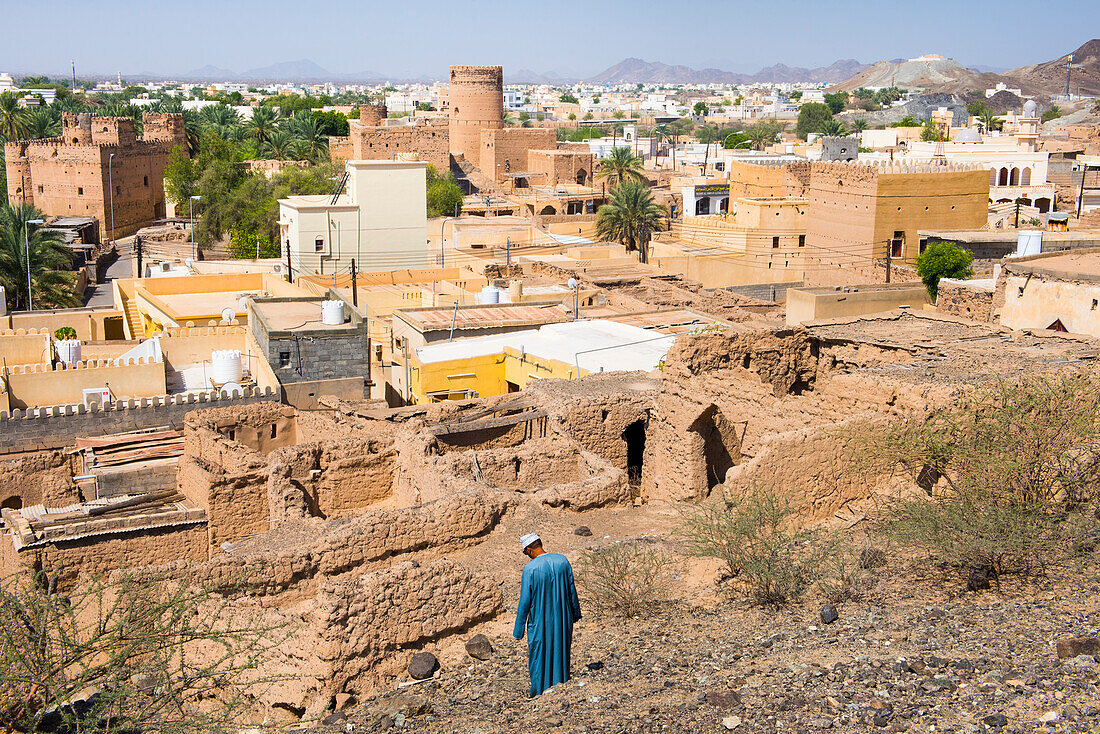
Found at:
<point>919,654</point>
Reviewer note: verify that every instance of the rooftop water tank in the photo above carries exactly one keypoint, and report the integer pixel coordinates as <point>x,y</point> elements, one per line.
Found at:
<point>1029,242</point>
<point>226,365</point>
<point>489,294</point>
<point>332,312</point>
<point>68,350</point>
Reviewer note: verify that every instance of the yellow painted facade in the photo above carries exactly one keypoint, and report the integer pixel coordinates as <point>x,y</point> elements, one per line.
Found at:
<point>510,370</point>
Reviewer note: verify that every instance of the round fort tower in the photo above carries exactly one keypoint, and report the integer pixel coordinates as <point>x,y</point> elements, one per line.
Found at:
<point>476,97</point>
<point>373,115</point>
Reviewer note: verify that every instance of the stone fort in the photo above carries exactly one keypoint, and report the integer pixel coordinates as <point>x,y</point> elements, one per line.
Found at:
<point>472,141</point>
<point>72,175</point>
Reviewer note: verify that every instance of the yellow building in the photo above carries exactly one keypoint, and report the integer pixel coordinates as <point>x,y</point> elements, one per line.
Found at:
<point>504,363</point>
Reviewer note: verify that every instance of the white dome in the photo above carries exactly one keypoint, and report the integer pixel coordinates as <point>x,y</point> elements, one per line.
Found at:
<point>1030,108</point>
<point>967,136</point>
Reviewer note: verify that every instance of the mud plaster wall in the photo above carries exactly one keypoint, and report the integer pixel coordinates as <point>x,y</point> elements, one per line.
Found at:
<point>970,303</point>
<point>598,424</point>
<point>227,480</point>
<point>85,557</point>
<point>286,560</point>
<point>353,626</point>
<point>329,480</point>
<point>40,478</point>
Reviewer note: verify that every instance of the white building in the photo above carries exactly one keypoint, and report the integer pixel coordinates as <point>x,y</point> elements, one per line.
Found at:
<point>380,222</point>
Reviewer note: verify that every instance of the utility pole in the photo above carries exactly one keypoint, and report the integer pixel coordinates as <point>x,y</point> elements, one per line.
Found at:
<point>508,252</point>
<point>73,62</point>
<point>354,286</point>
<point>137,254</point>
<point>1017,226</point>
<point>289,275</point>
<point>111,184</point>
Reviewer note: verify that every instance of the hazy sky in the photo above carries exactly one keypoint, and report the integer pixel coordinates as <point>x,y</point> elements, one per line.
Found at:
<point>422,37</point>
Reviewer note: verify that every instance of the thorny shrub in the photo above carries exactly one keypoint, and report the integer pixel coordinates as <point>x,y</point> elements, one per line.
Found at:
<point>626,578</point>
<point>129,653</point>
<point>1010,475</point>
<point>760,539</point>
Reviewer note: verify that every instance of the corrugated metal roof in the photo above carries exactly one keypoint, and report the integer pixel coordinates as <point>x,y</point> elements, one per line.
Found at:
<point>470,317</point>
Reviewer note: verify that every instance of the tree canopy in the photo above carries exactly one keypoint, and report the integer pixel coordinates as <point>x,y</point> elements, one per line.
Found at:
<point>942,260</point>
<point>811,116</point>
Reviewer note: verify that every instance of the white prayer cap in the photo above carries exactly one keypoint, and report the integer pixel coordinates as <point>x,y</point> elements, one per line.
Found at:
<point>527,540</point>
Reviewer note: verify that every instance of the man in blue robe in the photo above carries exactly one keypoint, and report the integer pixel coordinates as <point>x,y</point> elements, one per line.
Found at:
<point>548,607</point>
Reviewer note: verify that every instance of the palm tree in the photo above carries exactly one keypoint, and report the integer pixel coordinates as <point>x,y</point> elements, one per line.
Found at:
<point>262,126</point>
<point>989,119</point>
<point>44,122</point>
<point>666,133</point>
<point>13,118</point>
<point>833,128</point>
<point>312,143</point>
<point>280,145</point>
<point>859,124</point>
<point>49,261</point>
<point>509,119</point>
<point>706,135</point>
<point>631,217</point>
<point>621,165</point>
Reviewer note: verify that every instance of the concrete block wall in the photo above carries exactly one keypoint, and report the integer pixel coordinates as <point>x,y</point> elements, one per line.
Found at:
<point>772,292</point>
<point>40,429</point>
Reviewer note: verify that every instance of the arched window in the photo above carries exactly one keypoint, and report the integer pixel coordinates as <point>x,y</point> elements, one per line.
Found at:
<point>1015,179</point>
<point>702,205</point>
<point>992,176</point>
<point>1003,181</point>
<point>1025,177</point>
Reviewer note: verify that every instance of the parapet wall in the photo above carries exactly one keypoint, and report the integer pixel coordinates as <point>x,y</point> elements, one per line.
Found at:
<point>38,429</point>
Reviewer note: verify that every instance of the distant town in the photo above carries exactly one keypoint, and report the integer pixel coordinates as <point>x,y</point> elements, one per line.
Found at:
<point>288,369</point>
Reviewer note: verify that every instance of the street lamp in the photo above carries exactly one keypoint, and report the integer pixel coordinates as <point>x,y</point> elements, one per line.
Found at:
<point>191,209</point>
<point>111,184</point>
<point>27,253</point>
<point>575,286</point>
<point>442,240</point>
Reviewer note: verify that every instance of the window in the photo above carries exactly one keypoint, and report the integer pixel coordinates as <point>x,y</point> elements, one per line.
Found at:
<point>40,188</point>
<point>318,245</point>
<point>801,240</point>
<point>1020,292</point>
<point>1094,304</point>
<point>284,359</point>
<point>719,165</point>
<point>923,244</point>
<point>145,180</point>
<point>897,244</point>
<point>775,243</point>
<point>80,191</point>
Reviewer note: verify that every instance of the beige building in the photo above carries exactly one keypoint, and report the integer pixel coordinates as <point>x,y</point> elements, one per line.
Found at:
<point>379,222</point>
<point>1058,291</point>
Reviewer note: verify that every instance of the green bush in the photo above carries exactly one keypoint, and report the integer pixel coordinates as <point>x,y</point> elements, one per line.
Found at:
<point>246,245</point>
<point>626,578</point>
<point>65,332</point>
<point>1011,475</point>
<point>761,541</point>
<point>942,260</point>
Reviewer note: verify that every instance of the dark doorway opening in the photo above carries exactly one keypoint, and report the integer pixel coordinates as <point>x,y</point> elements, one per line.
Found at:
<point>512,387</point>
<point>14,502</point>
<point>634,435</point>
<point>711,426</point>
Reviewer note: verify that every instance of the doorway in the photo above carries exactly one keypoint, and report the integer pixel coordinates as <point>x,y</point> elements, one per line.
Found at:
<point>715,436</point>
<point>634,436</point>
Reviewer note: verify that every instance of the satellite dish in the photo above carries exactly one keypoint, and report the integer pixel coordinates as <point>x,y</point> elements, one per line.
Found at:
<point>242,303</point>
<point>232,390</point>
<point>227,314</point>
<point>572,283</point>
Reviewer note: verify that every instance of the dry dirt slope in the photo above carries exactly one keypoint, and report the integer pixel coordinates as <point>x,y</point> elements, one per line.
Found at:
<point>919,655</point>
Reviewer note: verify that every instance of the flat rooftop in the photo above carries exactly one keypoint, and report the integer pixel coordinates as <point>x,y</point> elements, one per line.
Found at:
<point>294,315</point>
<point>596,346</point>
<point>203,304</point>
<point>924,346</point>
<point>1070,265</point>
<point>489,315</point>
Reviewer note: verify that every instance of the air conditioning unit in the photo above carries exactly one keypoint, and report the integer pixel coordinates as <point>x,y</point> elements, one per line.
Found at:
<point>277,267</point>
<point>95,396</point>
<point>166,267</point>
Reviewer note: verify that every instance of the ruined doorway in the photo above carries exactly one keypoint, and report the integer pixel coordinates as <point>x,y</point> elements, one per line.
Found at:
<point>15,502</point>
<point>634,436</point>
<point>715,436</point>
<point>512,387</point>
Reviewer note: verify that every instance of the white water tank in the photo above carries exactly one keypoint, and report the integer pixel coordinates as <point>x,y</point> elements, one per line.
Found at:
<point>489,294</point>
<point>332,312</point>
<point>226,365</point>
<point>1029,242</point>
<point>68,350</point>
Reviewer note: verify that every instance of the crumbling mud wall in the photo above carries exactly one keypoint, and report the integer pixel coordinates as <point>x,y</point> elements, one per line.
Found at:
<point>41,478</point>
<point>223,477</point>
<point>784,358</point>
<point>330,479</point>
<point>296,555</point>
<point>352,626</point>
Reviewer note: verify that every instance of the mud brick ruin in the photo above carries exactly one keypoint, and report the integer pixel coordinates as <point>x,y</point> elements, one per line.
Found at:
<point>349,520</point>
